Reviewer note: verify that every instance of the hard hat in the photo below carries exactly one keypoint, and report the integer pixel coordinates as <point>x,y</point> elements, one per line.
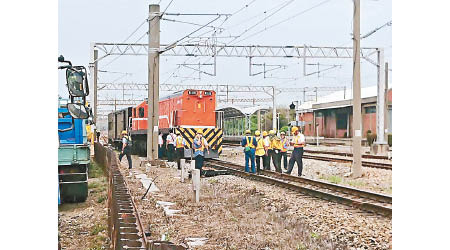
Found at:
<point>248,131</point>
<point>257,133</point>
<point>124,132</point>
<point>272,132</point>
<point>200,131</point>
<point>283,133</point>
<point>294,129</point>
<point>264,133</point>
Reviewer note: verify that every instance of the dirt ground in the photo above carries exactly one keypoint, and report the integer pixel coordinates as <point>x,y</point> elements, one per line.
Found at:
<point>375,180</point>
<point>236,213</point>
<point>84,225</point>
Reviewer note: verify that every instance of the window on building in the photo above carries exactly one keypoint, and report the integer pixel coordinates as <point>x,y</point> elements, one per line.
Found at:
<point>370,110</point>
<point>141,112</point>
<point>341,121</point>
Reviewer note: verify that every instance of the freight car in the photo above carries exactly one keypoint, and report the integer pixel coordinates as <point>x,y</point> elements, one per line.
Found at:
<point>117,122</point>
<point>185,111</point>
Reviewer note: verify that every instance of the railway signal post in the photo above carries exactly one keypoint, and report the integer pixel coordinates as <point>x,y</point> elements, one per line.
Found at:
<point>153,83</point>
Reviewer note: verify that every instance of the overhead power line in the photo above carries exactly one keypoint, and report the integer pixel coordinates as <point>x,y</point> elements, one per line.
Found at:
<point>284,20</point>
<point>377,29</point>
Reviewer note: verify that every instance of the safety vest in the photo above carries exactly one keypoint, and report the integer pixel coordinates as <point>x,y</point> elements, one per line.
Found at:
<point>249,143</point>
<point>260,147</point>
<point>202,145</point>
<point>276,143</point>
<point>297,139</point>
<point>285,144</point>
<point>179,142</point>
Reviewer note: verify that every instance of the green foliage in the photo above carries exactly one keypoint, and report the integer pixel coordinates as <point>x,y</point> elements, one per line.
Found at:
<point>101,199</point>
<point>314,235</point>
<point>95,170</point>
<point>97,228</point>
<point>370,137</point>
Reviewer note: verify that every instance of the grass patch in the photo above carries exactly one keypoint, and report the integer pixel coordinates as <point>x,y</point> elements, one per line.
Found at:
<point>97,228</point>
<point>314,235</point>
<point>332,178</point>
<point>95,170</point>
<point>101,199</point>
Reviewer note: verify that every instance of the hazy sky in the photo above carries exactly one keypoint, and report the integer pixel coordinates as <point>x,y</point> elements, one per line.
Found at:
<point>82,22</point>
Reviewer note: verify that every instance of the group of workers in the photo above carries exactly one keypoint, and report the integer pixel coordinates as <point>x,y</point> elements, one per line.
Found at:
<point>269,146</point>
<point>175,145</point>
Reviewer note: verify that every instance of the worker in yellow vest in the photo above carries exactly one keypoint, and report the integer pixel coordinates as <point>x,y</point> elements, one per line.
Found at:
<point>284,148</point>
<point>266,157</point>
<point>199,144</point>
<point>276,150</point>
<point>180,144</point>
<point>249,144</point>
<point>298,141</point>
<point>260,152</point>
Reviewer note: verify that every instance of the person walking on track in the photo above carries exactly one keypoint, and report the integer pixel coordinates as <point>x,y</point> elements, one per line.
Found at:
<point>266,157</point>
<point>259,152</point>
<point>199,145</point>
<point>276,150</point>
<point>298,141</point>
<point>249,142</point>
<point>170,140</point>
<point>126,149</point>
<point>284,148</point>
<point>180,144</point>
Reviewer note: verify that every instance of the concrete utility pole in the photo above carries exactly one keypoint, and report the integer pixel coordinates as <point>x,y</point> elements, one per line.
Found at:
<point>153,83</point>
<point>381,92</point>
<point>274,110</point>
<point>356,167</point>
<point>386,116</point>
<point>93,68</point>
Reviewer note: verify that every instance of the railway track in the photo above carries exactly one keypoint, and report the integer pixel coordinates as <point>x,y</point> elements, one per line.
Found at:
<point>356,198</point>
<point>312,154</point>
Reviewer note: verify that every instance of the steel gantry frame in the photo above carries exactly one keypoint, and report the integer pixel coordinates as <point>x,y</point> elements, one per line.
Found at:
<point>244,51</point>
<point>248,51</point>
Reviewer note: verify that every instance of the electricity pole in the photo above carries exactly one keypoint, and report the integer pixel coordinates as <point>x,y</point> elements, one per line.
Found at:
<point>153,83</point>
<point>356,167</point>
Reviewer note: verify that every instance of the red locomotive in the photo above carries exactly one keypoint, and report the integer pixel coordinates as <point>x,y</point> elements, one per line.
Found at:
<point>185,111</point>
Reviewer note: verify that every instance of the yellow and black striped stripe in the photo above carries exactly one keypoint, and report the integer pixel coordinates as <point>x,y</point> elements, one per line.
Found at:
<point>213,137</point>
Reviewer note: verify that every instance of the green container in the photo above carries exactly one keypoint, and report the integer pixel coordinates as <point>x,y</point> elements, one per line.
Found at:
<point>73,154</point>
<point>73,163</point>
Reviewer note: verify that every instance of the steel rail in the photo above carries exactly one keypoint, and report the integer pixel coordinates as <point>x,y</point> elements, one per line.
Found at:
<point>369,164</point>
<point>364,200</point>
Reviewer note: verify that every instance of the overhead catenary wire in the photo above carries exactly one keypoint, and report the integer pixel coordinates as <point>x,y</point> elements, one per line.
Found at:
<point>285,20</point>
<point>377,29</point>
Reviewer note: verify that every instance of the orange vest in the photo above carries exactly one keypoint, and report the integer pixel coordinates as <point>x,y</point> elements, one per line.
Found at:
<point>179,142</point>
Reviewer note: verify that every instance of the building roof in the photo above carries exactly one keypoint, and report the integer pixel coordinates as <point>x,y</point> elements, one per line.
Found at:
<point>339,99</point>
<point>236,111</point>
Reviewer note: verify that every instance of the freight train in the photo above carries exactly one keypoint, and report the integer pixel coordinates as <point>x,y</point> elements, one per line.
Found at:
<point>184,111</point>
